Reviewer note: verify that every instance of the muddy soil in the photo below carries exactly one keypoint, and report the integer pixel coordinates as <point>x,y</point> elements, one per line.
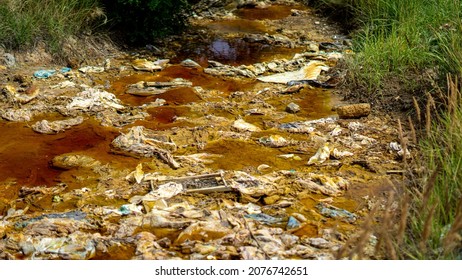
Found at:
<point>222,143</point>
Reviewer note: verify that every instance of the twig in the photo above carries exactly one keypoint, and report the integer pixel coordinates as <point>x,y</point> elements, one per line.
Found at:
<point>254,238</point>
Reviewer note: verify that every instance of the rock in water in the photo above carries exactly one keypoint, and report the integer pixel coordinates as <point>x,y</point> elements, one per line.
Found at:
<point>292,108</point>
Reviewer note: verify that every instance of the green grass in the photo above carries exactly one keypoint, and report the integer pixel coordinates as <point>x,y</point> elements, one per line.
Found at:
<point>399,39</point>
<point>441,199</point>
<point>24,23</point>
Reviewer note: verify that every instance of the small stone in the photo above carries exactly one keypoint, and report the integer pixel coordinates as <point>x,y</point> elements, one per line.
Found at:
<point>293,108</point>
<point>263,167</point>
<point>295,13</point>
<point>190,63</point>
<point>319,243</point>
<point>354,111</point>
<point>313,48</point>
<point>9,60</point>
<point>299,217</point>
<point>270,200</point>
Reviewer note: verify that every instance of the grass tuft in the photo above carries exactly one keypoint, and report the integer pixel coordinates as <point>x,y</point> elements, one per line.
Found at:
<point>24,23</point>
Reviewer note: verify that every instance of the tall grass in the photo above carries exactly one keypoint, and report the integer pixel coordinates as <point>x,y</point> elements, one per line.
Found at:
<point>423,221</point>
<point>24,23</point>
<point>441,200</point>
<point>399,39</point>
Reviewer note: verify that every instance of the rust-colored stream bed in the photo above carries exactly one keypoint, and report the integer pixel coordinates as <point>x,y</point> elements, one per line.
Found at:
<point>189,154</point>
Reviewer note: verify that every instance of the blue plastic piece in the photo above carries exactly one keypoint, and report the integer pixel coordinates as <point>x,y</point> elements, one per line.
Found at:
<point>336,213</point>
<point>264,218</point>
<point>44,74</point>
<point>292,223</point>
<point>124,210</point>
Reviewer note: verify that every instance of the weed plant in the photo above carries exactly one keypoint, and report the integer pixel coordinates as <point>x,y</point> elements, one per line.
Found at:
<point>400,40</point>
<point>24,23</point>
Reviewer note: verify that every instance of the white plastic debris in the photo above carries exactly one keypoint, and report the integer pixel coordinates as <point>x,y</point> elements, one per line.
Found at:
<point>394,146</point>
<point>341,154</point>
<point>274,141</point>
<point>321,155</point>
<point>336,131</point>
<point>168,190</point>
<point>47,127</point>
<point>241,125</point>
<point>91,69</point>
<point>309,72</point>
<point>138,173</point>
<point>90,99</point>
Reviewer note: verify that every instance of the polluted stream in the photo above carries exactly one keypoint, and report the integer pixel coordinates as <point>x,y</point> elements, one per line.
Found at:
<point>235,146</point>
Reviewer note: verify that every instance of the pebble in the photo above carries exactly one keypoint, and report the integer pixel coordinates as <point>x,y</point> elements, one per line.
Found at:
<point>293,108</point>
<point>9,60</point>
<point>319,243</point>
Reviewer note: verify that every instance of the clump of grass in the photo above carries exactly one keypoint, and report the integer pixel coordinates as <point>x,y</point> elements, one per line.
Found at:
<point>397,42</point>
<point>24,23</point>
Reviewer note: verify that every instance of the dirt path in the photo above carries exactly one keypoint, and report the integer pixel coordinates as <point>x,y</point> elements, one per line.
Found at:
<point>181,151</point>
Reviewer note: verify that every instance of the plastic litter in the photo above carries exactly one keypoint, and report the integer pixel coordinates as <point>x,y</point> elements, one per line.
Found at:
<point>274,141</point>
<point>16,115</point>
<point>76,246</point>
<point>264,218</point>
<point>141,142</point>
<point>44,74</point>
<point>47,127</point>
<point>153,88</point>
<point>326,189</point>
<point>138,174</point>
<point>309,72</point>
<point>91,69</point>
<point>321,155</point>
<point>127,209</point>
<point>297,127</point>
<point>394,146</point>
<point>293,224</point>
<point>336,213</point>
<point>94,100</point>
<point>150,66</point>
<point>167,190</point>
<point>341,154</point>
